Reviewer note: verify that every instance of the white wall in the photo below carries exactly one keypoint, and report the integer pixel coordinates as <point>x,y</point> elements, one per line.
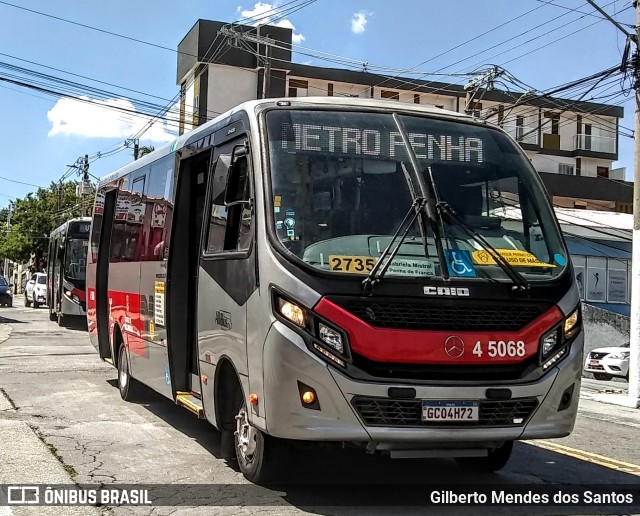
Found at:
<point>228,87</point>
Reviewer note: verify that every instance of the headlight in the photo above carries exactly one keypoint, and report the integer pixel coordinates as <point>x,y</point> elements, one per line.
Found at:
<point>320,336</point>
<point>572,324</point>
<point>331,337</point>
<point>623,355</point>
<point>554,343</point>
<point>549,342</point>
<point>9,293</point>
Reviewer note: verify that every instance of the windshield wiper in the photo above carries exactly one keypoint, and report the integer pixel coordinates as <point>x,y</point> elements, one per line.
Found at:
<point>387,256</point>
<point>443,207</point>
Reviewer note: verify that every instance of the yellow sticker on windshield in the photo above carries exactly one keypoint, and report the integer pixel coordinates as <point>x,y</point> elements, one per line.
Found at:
<point>351,263</point>
<point>514,257</point>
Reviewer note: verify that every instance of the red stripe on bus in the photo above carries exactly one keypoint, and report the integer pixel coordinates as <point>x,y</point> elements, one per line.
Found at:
<point>124,309</point>
<point>428,347</point>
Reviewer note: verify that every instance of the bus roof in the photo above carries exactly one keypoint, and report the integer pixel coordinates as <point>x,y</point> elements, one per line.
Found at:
<point>304,102</point>
<point>63,227</point>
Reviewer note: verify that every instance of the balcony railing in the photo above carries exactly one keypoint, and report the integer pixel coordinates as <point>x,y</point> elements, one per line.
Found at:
<point>522,133</point>
<point>588,142</point>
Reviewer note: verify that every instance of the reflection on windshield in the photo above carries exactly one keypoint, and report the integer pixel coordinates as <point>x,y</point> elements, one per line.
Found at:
<point>3,282</point>
<point>339,194</point>
<point>75,259</point>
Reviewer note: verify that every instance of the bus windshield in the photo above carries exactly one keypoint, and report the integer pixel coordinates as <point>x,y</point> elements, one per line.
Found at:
<point>75,259</point>
<point>342,183</point>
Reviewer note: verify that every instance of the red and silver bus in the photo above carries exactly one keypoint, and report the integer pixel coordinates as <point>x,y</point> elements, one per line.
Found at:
<point>67,269</point>
<point>341,270</point>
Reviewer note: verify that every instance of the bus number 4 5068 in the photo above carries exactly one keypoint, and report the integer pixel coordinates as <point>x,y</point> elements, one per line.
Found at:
<point>500,348</point>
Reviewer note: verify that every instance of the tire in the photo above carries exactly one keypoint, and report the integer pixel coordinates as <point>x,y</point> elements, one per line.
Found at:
<point>27,303</point>
<point>10,303</point>
<point>602,376</point>
<point>260,457</point>
<point>494,461</point>
<point>61,319</point>
<point>126,384</point>
<point>36,305</point>
<point>52,315</point>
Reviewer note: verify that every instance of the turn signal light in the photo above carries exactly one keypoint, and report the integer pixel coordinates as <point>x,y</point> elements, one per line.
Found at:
<point>308,397</point>
<point>253,398</point>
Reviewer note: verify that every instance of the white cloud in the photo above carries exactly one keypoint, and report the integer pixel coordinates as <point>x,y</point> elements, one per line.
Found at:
<point>262,10</point>
<point>99,119</point>
<point>359,22</point>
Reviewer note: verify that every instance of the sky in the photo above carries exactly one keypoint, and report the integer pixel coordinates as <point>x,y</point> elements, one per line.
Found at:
<point>543,43</point>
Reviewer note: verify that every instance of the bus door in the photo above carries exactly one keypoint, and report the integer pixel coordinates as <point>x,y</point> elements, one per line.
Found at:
<point>227,274</point>
<point>182,272</point>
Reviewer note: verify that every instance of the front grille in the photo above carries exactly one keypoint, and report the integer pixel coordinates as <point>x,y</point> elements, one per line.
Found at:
<point>597,356</point>
<point>442,315</point>
<point>446,372</point>
<point>407,413</point>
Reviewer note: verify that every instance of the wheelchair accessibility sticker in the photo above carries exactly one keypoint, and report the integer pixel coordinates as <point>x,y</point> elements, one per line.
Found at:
<point>460,263</point>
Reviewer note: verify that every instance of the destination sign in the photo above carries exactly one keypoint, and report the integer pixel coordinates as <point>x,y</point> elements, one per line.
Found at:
<point>379,143</point>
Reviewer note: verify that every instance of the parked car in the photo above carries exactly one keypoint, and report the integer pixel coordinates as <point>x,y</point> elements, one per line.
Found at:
<point>6,294</point>
<point>607,363</point>
<point>35,291</point>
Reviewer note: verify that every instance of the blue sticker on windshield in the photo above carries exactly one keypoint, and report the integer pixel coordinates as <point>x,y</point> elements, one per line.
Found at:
<point>560,260</point>
<point>460,263</point>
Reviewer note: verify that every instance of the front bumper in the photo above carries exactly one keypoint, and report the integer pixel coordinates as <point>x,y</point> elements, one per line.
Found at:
<point>5,298</point>
<point>70,307</point>
<point>287,362</point>
<point>613,367</point>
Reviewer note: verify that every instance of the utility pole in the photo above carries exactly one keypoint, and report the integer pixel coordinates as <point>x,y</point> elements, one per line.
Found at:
<point>236,38</point>
<point>634,349</point>
<point>633,397</point>
<point>5,270</point>
<point>266,80</point>
<point>84,188</point>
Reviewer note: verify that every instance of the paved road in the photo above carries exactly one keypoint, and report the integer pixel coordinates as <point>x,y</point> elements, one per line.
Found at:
<point>62,420</point>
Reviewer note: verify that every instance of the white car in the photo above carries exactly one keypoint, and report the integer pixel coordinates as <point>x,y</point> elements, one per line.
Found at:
<point>35,291</point>
<point>606,363</point>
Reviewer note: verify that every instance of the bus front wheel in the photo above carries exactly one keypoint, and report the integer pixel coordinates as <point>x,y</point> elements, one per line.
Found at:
<point>259,455</point>
<point>495,460</point>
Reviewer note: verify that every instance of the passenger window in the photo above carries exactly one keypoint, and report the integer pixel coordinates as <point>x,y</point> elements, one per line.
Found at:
<point>231,208</point>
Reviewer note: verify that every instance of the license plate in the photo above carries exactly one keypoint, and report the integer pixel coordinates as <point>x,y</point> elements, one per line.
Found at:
<point>450,411</point>
<point>594,363</point>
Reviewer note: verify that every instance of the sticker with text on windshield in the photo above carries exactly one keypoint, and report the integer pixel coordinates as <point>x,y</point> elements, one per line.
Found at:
<point>399,266</point>
<point>515,257</point>
<point>459,263</point>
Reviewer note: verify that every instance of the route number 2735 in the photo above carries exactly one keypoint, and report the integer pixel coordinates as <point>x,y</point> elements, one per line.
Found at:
<point>500,348</point>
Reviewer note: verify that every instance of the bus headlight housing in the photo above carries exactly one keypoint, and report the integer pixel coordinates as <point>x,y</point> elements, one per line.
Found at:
<point>321,336</point>
<point>554,344</point>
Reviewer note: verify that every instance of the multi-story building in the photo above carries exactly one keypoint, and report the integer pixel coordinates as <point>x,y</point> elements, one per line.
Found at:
<point>571,144</point>
<point>217,71</point>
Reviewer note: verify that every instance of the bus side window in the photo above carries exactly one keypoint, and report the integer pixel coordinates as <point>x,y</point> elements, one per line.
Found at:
<point>231,212</point>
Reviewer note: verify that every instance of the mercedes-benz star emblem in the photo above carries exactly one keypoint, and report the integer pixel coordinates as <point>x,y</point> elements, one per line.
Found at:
<point>454,346</point>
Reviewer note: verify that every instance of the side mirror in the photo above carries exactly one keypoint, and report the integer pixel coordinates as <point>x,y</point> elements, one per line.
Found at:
<point>237,190</point>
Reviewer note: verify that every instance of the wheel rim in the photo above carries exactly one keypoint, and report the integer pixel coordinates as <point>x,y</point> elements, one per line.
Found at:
<point>246,435</point>
<point>123,372</point>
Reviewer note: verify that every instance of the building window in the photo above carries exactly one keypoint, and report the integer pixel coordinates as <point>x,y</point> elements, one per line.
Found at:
<point>519,128</point>
<point>390,95</point>
<point>416,98</point>
<point>298,88</point>
<point>565,169</point>
<point>603,172</point>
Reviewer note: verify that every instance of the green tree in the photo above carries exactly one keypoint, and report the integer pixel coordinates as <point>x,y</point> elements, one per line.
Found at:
<point>34,217</point>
